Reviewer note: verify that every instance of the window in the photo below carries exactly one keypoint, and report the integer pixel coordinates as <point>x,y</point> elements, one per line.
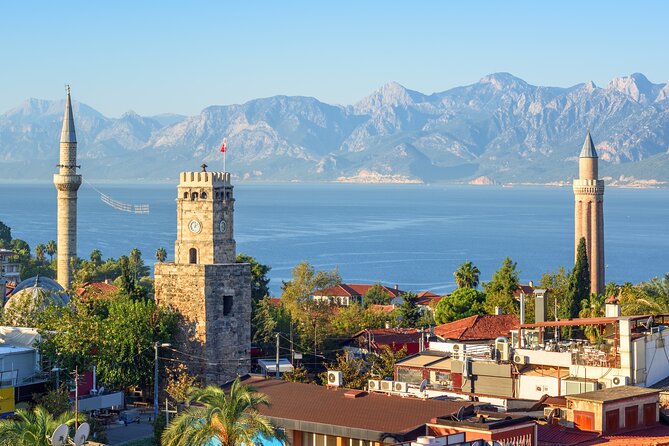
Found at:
<point>192,255</point>
<point>227,305</point>
<point>186,195</point>
<point>203,195</point>
<point>193,196</point>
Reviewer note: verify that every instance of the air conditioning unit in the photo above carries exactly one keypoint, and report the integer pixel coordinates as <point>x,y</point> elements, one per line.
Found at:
<point>401,387</point>
<point>458,352</point>
<point>335,378</point>
<point>619,380</point>
<point>520,359</point>
<point>387,386</point>
<point>373,385</point>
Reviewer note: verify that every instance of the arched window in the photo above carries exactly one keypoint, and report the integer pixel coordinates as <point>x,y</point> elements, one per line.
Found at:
<point>186,195</point>
<point>203,195</point>
<point>193,196</point>
<point>192,255</point>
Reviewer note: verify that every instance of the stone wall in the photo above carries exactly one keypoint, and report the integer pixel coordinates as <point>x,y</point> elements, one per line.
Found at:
<point>216,346</point>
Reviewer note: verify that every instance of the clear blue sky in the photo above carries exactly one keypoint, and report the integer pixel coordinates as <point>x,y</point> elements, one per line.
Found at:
<point>177,56</point>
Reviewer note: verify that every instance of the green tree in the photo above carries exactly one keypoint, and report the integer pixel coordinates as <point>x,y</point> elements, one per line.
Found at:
<point>259,279</point>
<point>382,364</point>
<point>354,371</point>
<point>376,295</point>
<point>265,324</point>
<point>592,306</point>
<point>233,419</point>
<point>96,258</point>
<point>51,249</point>
<point>579,284</point>
<point>5,235</point>
<point>305,279</point>
<point>467,275</point>
<point>161,254</point>
<point>40,249</point>
<point>557,287</point>
<point>298,375</point>
<point>499,291</point>
<point>56,401</point>
<point>32,428</point>
<point>463,302</point>
<point>408,312</point>
<point>128,334</point>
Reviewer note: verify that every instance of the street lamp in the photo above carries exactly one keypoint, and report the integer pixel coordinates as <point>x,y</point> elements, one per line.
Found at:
<point>155,378</point>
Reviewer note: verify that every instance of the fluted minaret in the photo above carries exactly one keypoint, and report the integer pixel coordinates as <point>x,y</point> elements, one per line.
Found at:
<point>67,183</point>
<point>589,213</point>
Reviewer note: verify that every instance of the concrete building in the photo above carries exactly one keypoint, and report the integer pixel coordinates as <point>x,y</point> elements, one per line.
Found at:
<point>67,182</point>
<point>211,293</point>
<point>589,213</point>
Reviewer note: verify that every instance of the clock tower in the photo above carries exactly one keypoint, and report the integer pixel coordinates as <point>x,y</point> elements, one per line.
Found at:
<point>204,285</point>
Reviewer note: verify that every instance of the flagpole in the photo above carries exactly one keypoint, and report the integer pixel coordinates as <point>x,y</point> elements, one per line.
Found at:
<point>225,155</point>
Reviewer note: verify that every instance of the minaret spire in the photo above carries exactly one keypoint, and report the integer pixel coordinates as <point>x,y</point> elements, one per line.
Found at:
<point>589,213</point>
<point>67,182</point>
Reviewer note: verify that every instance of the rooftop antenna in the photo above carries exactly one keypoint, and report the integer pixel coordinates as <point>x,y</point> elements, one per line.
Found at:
<point>59,437</point>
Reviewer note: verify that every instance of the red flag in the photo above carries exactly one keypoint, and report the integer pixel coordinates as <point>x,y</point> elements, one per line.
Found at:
<point>224,146</point>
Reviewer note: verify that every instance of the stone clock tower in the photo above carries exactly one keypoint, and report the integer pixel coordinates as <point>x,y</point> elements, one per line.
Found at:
<point>211,293</point>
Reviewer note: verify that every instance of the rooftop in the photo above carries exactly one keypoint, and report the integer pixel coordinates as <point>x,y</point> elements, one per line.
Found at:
<point>389,336</point>
<point>478,328</point>
<point>354,289</point>
<point>372,416</point>
<point>613,394</point>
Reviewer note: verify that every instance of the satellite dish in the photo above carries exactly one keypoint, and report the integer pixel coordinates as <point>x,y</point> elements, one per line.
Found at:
<point>82,434</point>
<point>59,437</point>
<point>649,322</point>
<point>461,413</point>
<point>423,385</point>
<point>551,415</point>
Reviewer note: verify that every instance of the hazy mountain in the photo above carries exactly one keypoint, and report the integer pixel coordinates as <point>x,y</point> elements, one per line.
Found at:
<point>501,127</point>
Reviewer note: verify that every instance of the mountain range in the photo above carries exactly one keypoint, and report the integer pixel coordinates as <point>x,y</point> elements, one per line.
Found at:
<point>499,129</point>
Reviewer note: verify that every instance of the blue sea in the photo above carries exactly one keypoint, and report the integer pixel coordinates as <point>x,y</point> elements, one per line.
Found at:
<point>414,236</point>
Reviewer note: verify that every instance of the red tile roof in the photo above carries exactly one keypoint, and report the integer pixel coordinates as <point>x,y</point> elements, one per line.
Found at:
<point>525,289</point>
<point>555,435</point>
<point>385,309</point>
<point>478,328</point>
<point>390,336</point>
<point>428,298</point>
<point>648,436</point>
<point>97,290</point>
<point>353,289</point>
<point>309,403</point>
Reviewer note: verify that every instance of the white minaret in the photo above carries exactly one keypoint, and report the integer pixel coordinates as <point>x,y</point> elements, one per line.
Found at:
<point>67,183</point>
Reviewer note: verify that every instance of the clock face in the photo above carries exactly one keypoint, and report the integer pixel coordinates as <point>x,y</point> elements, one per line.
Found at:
<point>195,226</point>
<point>222,226</point>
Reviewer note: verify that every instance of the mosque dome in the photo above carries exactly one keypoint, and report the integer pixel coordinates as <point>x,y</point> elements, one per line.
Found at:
<point>32,296</point>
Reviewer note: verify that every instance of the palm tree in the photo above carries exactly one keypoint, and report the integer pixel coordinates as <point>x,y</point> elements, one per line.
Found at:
<point>32,428</point>
<point>592,306</point>
<point>39,252</point>
<point>51,249</point>
<point>161,254</point>
<point>467,275</point>
<point>232,418</point>
<point>96,257</point>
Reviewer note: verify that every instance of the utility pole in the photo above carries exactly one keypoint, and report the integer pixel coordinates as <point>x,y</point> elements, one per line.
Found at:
<point>76,398</point>
<point>292,347</point>
<point>155,378</point>
<point>277,356</point>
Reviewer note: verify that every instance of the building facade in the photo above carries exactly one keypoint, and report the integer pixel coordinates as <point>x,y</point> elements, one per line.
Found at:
<point>589,213</point>
<point>67,182</point>
<point>211,293</point>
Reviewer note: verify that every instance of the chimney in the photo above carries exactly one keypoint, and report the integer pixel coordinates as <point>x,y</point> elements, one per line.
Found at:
<point>396,287</point>
<point>612,307</point>
<point>531,284</point>
<point>498,311</point>
<point>539,308</point>
<point>387,325</point>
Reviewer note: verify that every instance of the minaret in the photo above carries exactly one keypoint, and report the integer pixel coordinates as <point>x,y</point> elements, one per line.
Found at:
<point>589,213</point>
<point>67,183</point>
